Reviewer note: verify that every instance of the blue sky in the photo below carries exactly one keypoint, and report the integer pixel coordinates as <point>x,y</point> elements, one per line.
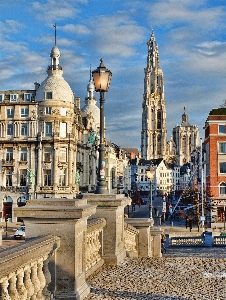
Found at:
<point>191,36</point>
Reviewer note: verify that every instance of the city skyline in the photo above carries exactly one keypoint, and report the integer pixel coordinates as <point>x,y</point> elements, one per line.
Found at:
<point>190,37</point>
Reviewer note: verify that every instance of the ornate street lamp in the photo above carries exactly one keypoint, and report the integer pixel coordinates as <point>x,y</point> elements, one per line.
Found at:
<point>102,78</point>
<point>150,175</point>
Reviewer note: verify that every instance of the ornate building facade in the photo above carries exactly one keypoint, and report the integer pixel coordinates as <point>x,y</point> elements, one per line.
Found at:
<point>154,130</point>
<point>48,145</point>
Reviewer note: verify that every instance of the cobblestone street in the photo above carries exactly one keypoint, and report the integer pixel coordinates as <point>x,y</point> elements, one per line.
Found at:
<point>183,273</point>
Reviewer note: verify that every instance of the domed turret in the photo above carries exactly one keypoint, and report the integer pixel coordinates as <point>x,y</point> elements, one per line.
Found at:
<point>54,87</point>
<point>90,102</point>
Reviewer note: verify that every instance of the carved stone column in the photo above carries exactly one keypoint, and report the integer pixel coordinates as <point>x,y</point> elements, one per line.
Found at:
<point>12,287</point>
<point>4,289</point>
<point>70,167</point>
<point>39,175</point>
<point>55,168</point>
<point>27,282</point>
<point>20,286</point>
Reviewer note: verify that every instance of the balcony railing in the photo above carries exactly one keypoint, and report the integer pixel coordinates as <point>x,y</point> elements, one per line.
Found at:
<point>94,244</point>
<point>24,272</point>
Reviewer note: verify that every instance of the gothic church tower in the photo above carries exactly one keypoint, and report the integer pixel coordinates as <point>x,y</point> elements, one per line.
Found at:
<point>154,131</point>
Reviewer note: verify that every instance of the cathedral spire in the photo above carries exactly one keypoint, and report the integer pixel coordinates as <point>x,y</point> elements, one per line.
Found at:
<point>154,131</point>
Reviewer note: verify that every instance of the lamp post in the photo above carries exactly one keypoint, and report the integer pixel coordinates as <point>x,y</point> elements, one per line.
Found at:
<point>150,175</point>
<point>102,78</point>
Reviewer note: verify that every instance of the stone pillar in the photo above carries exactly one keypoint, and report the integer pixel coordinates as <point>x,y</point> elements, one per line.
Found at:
<point>111,207</point>
<point>144,237</point>
<point>70,167</point>
<point>39,175</point>
<point>156,244</point>
<point>55,167</point>
<point>67,219</point>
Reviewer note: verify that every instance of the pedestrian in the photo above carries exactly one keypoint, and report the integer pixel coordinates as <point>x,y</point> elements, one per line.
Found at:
<point>187,222</point>
<point>155,209</point>
<point>190,224</point>
<point>163,240</point>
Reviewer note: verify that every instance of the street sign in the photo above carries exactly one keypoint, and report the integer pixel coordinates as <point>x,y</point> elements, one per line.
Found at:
<point>202,218</point>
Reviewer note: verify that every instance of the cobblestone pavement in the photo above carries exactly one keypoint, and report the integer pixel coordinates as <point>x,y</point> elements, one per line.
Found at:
<point>182,273</point>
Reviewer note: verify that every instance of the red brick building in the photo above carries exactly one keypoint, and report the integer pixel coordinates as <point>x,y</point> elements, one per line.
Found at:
<point>215,146</point>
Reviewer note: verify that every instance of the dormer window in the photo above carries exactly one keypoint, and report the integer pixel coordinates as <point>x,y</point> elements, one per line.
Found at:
<point>13,97</point>
<point>49,95</point>
<point>1,97</point>
<point>27,97</point>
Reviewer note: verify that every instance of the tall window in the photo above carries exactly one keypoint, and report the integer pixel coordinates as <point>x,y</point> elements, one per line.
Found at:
<point>24,112</point>
<point>62,181</point>
<point>13,97</point>
<point>23,154</point>
<point>9,177</point>
<point>48,110</point>
<point>9,129</point>
<point>23,177</point>
<point>9,154</point>
<point>222,167</point>
<point>27,97</point>
<point>223,188</point>
<point>10,112</point>
<point>63,155</point>
<point>47,177</point>
<point>63,129</point>
<point>1,97</point>
<point>222,129</point>
<point>48,129</point>
<point>47,154</point>
<point>222,148</point>
<point>159,119</point>
<point>23,129</point>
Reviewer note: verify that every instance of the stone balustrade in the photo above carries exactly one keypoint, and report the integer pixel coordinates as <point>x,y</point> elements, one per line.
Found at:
<point>24,271</point>
<point>219,241</point>
<point>94,245</point>
<point>187,241</point>
<point>131,240</point>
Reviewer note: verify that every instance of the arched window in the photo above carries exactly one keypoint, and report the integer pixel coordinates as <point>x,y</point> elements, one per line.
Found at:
<point>223,188</point>
<point>159,119</point>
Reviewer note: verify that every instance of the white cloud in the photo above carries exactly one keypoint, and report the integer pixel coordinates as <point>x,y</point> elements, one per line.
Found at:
<point>78,29</point>
<point>11,26</point>
<point>116,35</point>
<point>53,10</point>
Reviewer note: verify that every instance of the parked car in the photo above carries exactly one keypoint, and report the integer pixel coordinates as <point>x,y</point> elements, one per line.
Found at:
<point>20,233</point>
<point>143,201</point>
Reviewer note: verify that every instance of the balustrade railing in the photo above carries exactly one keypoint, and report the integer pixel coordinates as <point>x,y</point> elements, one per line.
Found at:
<point>24,272</point>
<point>131,240</point>
<point>187,241</point>
<point>219,241</point>
<point>94,245</point>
